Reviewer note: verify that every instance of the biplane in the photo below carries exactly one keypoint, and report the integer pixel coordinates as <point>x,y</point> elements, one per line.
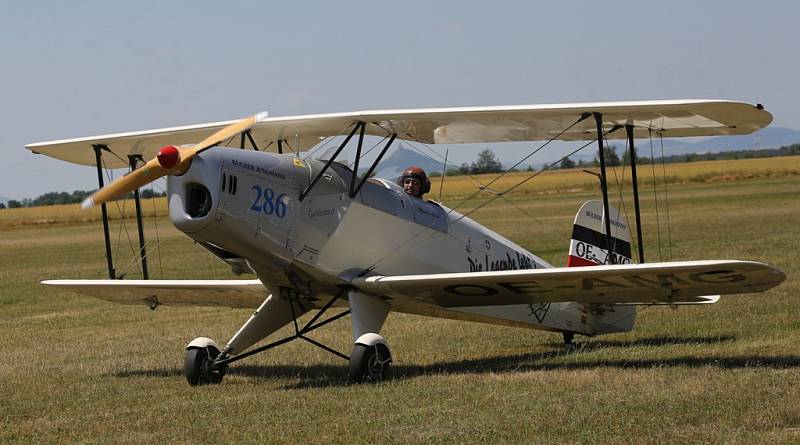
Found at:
<point>319,234</point>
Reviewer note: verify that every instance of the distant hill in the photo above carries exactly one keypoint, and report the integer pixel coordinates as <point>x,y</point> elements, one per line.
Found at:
<point>770,137</point>
<point>400,156</point>
<point>4,200</point>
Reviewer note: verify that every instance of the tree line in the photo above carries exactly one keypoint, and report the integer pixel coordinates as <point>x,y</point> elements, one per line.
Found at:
<point>487,162</point>
<point>53,198</point>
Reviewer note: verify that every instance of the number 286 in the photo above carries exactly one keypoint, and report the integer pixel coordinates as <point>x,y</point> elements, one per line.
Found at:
<point>267,202</point>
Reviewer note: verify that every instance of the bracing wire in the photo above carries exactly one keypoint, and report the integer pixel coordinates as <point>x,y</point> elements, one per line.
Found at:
<point>497,195</point>
<point>109,176</point>
<point>666,197</point>
<point>413,141</point>
<point>514,187</point>
<point>155,225</point>
<point>545,144</point>
<point>620,184</point>
<point>375,145</point>
<point>121,212</point>
<point>655,195</point>
<point>627,217</point>
<point>536,220</point>
<point>324,143</point>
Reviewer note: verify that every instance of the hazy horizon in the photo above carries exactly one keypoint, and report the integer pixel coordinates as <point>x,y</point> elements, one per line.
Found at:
<point>81,69</point>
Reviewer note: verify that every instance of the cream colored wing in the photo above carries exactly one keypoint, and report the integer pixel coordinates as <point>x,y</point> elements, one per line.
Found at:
<point>669,118</point>
<point>677,282</point>
<point>229,293</point>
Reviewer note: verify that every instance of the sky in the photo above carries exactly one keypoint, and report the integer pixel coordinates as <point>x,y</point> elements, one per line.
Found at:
<point>73,69</point>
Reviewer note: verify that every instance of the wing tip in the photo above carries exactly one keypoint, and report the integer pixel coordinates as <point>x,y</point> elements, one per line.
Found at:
<point>87,203</point>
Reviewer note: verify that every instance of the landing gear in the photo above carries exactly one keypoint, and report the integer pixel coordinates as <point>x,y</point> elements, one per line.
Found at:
<point>370,359</point>
<point>369,363</point>
<point>206,365</point>
<point>199,367</point>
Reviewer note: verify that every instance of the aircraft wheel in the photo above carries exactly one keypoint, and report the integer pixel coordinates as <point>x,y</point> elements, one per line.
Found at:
<point>369,363</point>
<point>198,366</point>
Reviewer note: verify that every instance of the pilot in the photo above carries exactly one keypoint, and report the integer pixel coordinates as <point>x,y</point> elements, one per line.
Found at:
<point>414,181</point>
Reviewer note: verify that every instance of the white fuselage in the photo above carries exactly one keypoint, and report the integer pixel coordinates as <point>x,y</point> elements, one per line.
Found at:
<point>248,204</point>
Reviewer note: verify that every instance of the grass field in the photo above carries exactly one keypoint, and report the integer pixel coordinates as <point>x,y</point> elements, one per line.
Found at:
<point>78,369</point>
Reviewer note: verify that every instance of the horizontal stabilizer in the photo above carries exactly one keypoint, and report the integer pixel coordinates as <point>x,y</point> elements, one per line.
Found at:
<point>229,293</point>
<point>671,283</point>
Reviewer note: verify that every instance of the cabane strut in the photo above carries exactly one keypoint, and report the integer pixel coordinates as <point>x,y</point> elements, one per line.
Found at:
<point>354,189</point>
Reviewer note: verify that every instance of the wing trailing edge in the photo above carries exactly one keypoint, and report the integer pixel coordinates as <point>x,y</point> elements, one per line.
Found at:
<point>228,293</point>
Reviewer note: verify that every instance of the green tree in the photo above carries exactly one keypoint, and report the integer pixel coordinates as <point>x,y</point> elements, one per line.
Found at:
<point>611,157</point>
<point>486,163</point>
<point>148,193</point>
<point>567,163</point>
<point>610,153</point>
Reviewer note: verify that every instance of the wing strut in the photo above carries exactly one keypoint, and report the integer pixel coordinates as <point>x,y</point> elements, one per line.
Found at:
<point>354,189</point>
<point>598,118</point>
<point>142,253</point>
<point>132,162</point>
<point>299,334</point>
<point>353,193</point>
<point>98,156</point>
<point>359,125</point>
<point>635,183</point>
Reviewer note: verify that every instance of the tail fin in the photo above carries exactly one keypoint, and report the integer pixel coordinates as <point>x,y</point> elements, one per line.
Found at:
<point>588,246</point>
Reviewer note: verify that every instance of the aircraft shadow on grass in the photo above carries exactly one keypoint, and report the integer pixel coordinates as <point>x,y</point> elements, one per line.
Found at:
<point>326,375</point>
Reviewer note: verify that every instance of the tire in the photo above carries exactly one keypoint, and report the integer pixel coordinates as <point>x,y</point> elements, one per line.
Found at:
<point>197,366</point>
<point>369,363</point>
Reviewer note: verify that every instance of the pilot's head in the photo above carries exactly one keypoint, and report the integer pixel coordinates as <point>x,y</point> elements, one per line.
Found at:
<point>414,181</point>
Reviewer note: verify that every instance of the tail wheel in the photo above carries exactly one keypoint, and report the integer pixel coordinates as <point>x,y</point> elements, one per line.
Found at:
<point>369,363</point>
<point>199,366</point>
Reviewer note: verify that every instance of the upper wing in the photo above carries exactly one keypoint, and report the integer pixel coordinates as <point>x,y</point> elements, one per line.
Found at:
<point>675,118</point>
<point>676,282</point>
<point>230,293</point>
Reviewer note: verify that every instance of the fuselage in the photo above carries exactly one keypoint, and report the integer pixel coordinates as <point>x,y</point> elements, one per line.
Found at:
<point>248,205</point>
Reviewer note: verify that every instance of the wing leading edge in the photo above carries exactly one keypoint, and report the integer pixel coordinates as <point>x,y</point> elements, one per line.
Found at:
<point>654,283</point>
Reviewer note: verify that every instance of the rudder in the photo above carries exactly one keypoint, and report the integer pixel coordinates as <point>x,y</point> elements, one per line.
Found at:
<point>588,247</point>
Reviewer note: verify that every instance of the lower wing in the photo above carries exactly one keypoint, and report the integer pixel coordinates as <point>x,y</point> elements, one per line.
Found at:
<point>230,293</point>
<point>653,283</point>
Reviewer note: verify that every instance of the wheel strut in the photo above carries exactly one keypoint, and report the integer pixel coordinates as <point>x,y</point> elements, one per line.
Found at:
<point>300,333</point>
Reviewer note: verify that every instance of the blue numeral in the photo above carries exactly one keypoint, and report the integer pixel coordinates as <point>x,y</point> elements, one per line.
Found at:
<point>255,205</point>
<point>270,204</point>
